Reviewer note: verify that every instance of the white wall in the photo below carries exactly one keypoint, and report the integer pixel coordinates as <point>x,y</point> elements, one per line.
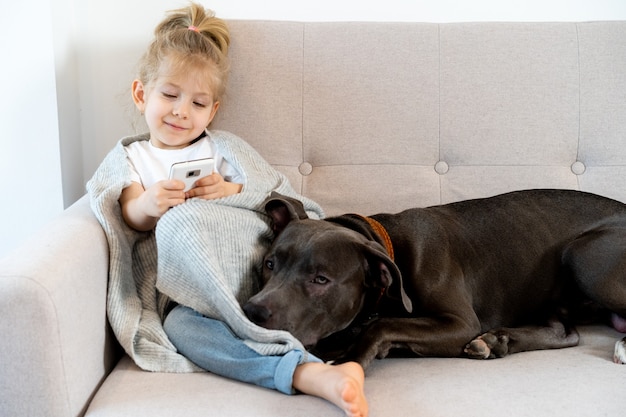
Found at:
<point>30,166</point>
<point>71,63</point>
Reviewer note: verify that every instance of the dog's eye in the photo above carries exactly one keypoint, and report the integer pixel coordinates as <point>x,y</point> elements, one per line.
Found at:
<point>320,280</point>
<point>269,264</point>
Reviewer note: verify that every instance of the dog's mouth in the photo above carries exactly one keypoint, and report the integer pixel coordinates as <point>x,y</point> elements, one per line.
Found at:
<point>337,336</point>
<point>308,340</point>
<point>309,346</point>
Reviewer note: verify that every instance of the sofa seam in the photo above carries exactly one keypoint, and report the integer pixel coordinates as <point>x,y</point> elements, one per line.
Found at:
<point>579,99</point>
<point>439,108</point>
<point>302,112</point>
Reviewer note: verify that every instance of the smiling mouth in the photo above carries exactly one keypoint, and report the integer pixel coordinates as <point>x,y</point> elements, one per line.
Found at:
<point>175,126</point>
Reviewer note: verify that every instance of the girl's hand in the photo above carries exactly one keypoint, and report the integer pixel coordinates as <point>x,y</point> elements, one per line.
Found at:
<point>213,186</point>
<point>159,198</point>
<point>143,208</point>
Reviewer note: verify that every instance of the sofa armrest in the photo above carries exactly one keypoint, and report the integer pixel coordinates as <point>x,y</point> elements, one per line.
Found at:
<point>55,344</point>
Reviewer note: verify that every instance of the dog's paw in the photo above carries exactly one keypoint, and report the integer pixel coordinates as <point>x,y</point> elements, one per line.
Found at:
<point>478,349</point>
<point>620,352</point>
<point>488,346</point>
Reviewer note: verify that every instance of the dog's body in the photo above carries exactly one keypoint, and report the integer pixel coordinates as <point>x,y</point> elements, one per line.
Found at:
<point>519,268</point>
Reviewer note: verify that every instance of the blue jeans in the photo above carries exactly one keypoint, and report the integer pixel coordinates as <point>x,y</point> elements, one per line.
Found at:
<point>211,345</point>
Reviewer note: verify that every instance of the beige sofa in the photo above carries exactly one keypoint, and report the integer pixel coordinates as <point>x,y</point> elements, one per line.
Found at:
<point>362,117</point>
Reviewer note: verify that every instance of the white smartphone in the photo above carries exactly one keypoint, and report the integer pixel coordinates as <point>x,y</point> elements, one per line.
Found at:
<point>191,171</point>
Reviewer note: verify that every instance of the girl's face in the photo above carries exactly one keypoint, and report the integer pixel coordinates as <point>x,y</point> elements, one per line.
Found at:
<point>178,106</point>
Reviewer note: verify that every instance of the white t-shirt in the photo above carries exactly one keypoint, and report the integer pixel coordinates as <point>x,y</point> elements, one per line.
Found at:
<point>149,164</point>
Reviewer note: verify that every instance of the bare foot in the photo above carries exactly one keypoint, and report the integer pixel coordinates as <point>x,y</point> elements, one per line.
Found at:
<point>342,385</point>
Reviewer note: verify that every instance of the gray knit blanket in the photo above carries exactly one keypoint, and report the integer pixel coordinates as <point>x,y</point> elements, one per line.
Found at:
<point>209,257</point>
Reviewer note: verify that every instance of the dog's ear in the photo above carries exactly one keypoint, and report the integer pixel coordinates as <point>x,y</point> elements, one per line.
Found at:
<point>386,272</point>
<point>282,210</point>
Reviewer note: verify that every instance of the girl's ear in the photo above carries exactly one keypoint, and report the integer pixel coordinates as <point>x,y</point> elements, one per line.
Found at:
<point>138,93</point>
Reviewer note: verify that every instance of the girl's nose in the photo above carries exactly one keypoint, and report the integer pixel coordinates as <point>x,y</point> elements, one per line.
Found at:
<point>181,110</point>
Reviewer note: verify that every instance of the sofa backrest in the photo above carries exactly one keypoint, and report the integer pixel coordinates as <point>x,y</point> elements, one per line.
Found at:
<point>378,117</point>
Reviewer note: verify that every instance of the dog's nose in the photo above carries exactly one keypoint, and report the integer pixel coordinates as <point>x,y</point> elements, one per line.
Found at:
<point>256,313</point>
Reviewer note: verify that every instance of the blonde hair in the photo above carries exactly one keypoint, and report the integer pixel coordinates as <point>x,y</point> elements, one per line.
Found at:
<point>191,36</point>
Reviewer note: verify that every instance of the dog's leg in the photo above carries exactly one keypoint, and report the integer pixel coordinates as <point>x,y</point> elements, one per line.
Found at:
<point>425,337</point>
<point>498,343</point>
<point>597,261</point>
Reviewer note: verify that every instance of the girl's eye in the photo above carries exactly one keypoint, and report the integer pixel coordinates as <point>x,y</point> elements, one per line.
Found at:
<point>168,95</point>
<point>201,105</point>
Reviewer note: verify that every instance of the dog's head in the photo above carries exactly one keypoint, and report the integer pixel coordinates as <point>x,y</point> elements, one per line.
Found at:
<point>317,275</point>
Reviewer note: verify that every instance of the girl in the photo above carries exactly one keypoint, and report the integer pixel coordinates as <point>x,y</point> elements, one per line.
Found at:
<point>181,79</point>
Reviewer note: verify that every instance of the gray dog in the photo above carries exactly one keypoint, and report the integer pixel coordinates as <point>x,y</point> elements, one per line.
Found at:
<point>482,278</point>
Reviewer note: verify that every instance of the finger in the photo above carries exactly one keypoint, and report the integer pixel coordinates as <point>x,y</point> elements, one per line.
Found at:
<point>174,185</point>
<point>208,181</point>
<point>207,192</point>
<point>176,201</point>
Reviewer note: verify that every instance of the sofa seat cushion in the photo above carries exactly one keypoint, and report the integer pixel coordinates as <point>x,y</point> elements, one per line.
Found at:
<point>555,382</point>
